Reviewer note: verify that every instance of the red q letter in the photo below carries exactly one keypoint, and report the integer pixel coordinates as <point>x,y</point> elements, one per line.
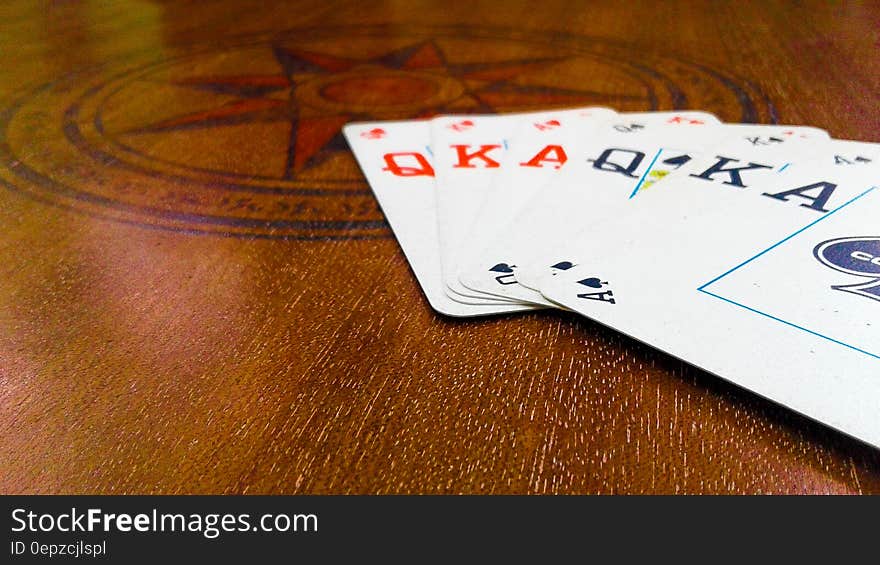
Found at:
<point>423,169</point>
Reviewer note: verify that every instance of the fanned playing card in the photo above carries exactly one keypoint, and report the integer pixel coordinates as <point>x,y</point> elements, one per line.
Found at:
<point>741,153</point>
<point>750,251</point>
<point>469,153</point>
<point>604,170</point>
<point>537,151</point>
<point>771,285</point>
<point>396,160</point>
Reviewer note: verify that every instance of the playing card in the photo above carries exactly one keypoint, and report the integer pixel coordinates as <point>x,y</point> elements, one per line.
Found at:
<point>743,153</point>
<point>469,151</point>
<point>602,170</point>
<point>396,160</point>
<point>841,152</point>
<point>536,151</point>
<point>774,287</point>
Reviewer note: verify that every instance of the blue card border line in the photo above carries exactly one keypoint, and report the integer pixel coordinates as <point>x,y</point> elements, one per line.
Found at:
<point>644,176</point>
<point>771,248</point>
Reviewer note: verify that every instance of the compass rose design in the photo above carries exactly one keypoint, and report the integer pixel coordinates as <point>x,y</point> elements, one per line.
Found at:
<point>242,138</point>
<point>315,94</point>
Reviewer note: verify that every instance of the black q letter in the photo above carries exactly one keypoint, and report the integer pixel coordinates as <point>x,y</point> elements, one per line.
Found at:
<point>604,162</point>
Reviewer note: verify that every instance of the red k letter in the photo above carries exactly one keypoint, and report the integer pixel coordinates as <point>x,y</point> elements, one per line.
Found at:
<point>423,169</point>
<point>464,158</point>
<point>544,155</point>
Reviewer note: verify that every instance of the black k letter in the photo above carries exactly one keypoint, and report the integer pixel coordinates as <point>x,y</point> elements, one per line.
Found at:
<point>732,172</point>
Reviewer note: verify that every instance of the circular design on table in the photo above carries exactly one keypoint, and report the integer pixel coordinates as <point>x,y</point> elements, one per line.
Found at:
<point>243,138</point>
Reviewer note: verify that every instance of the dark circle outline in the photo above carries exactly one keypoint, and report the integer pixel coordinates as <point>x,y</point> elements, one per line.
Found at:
<point>52,186</point>
<point>749,114</point>
<point>8,113</point>
<point>76,138</point>
<point>103,156</point>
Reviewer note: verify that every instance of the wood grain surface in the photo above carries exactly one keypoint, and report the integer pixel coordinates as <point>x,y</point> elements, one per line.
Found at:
<point>198,293</point>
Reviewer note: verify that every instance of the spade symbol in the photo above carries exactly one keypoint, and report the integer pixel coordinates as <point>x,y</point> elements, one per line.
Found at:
<point>597,283</point>
<point>503,268</point>
<point>592,282</point>
<point>677,161</point>
<point>507,278</point>
<point>563,265</point>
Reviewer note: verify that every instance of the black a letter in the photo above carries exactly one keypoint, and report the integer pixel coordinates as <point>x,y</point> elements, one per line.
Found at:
<point>817,203</point>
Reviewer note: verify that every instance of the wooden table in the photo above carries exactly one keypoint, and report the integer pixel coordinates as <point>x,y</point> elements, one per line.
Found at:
<point>198,293</point>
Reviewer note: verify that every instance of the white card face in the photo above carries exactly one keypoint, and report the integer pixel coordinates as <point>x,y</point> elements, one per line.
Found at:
<point>776,289</point>
<point>394,157</point>
<point>843,152</point>
<point>605,169</point>
<point>537,150</point>
<point>743,155</point>
<point>752,153</point>
<point>469,151</point>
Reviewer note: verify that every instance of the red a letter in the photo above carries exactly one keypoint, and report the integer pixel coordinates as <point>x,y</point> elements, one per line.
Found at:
<point>464,158</point>
<point>543,155</point>
<point>423,169</point>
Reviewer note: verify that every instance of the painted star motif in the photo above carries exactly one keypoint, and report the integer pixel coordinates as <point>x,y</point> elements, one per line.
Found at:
<point>357,84</point>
